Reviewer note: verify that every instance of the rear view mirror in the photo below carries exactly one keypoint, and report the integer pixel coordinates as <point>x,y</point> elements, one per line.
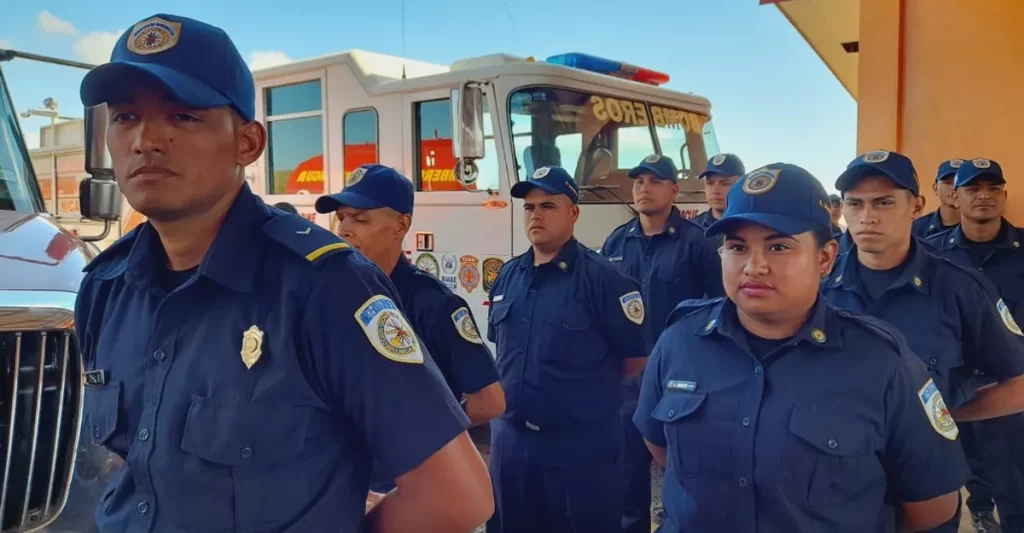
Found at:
<point>98,194</point>
<point>468,122</point>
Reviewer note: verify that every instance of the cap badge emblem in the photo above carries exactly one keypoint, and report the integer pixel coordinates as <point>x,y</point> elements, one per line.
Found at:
<point>653,158</point>
<point>760,181</point>
<point>153,36</point>
<point>355,177</point>
<point>877,156</point>
<point>541,173</point>
<point>718,160</point>
<point>955,163</point>
<point>982,163</point>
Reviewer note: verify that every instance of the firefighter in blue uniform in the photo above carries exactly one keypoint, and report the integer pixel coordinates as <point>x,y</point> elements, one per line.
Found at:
<point>722,172</point>
<point>835,208</point>
<point>947,215</point>
<point>775,411</point>
<point>568,328</point>
<point>673,261</point>
<point>948,313</point>
<point>984,240</point>
<point>240,360</point>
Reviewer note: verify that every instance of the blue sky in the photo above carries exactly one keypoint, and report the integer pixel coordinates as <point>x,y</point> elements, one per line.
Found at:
<point>772,98</point>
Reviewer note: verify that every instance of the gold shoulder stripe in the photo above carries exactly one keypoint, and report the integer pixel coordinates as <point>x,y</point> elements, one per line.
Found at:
<point>312,256</point>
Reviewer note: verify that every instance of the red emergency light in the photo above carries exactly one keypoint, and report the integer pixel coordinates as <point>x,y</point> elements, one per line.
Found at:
<point>609,67</point>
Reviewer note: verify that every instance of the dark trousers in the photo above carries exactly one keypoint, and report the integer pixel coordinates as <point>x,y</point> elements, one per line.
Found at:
<point>980,498</point>
<point>1002,452</point>
<point>555,480</point>
<point>636,468</point>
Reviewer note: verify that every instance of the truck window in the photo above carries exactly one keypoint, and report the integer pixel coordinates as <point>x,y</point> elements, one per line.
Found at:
<point>435,157</point>
<point>43,166</point>
<point>18,189</point>
<point>597,138</point>
<point>295,129</point>
<point>70,171</point>
<point>359,135</point>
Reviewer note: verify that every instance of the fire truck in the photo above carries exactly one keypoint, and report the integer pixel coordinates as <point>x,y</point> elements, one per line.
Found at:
<point>465,133</point>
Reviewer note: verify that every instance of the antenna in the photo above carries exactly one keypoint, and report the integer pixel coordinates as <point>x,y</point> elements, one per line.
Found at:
<point>403,39</point>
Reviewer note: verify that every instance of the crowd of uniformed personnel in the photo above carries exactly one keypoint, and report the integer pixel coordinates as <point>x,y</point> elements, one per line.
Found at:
<point>257,373</point>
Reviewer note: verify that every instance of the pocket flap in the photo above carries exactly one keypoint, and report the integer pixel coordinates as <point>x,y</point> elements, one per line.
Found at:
<point>675,406</point>
<point>499,311</point>
<point>244,434</point>
<point>103,408</point>
<point>830,431</point>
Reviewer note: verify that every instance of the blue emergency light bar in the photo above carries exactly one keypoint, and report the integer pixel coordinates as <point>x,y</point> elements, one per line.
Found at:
<point>609,67</point>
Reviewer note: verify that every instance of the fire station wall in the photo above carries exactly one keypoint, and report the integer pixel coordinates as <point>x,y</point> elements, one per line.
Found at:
<point>941,79</point>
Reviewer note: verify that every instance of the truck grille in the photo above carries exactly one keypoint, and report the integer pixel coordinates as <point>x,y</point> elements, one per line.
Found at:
<point>40,398</point>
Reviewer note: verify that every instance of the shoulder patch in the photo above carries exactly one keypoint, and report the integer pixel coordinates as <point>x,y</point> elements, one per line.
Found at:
<point>115,252</point>
<point>1004,313</point>
<point>464,325</point>
<point>935,409</point>
<point>633,306</point>
<point>304,237</point>
<point>388,330</point>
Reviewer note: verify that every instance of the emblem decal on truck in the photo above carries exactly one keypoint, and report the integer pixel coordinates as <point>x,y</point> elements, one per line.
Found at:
<point>491,266</point>
<point>469,275</point>
<point>428,264</point>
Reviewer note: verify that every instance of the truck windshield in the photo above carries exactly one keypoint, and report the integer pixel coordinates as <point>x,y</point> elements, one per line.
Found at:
<point>18,188</point>
<point>598,138</point>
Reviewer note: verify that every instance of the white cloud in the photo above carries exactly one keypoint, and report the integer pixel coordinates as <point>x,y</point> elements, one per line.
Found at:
<point>95,46</point>
<point>50,23</point>
<point>31,139</point>
<point>268,58</point>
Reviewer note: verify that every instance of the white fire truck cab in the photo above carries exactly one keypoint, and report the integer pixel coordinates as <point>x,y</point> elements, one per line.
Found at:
<point>464,134</point>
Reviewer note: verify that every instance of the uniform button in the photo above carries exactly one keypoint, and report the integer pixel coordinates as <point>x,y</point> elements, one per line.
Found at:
<point>932,361</point>
<point>142,507</point>
<point>833,444</point>
<point>159,355</point>
<point>143,434</point>
<point>745,421</point>
<point>671,413</point>
<point>526,319</point>
<point>95,432</point>
<point>757,370</point>
<point>743,482</point>
<point>246,452</point>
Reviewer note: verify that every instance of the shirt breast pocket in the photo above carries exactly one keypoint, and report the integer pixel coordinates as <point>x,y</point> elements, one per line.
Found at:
<point>499,322</point>
<point>103,413</point>
<point>571,339</point>
<point>827,458</point>
<point>681,416</point>
<point>255,451</point>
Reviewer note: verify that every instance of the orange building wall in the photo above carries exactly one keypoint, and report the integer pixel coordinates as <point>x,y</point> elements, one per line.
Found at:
<point>923,95</point>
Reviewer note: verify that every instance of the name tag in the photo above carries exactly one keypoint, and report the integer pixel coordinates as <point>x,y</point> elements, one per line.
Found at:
<point>682,386</point>
<point>499,298</point>
<point>615,259</point>
<point>94,378</point>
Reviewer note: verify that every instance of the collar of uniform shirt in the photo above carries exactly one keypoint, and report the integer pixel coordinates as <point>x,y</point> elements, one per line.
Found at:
<point>675,220</point>
<point>847,273</point>
<point>231,260</point>
<point>820,330</point>
<point>1008,237</point>
<point>567,255</point>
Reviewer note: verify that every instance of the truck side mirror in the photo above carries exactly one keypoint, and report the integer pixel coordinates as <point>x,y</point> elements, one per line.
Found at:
<point>467,131</point>
<point>98,194</point>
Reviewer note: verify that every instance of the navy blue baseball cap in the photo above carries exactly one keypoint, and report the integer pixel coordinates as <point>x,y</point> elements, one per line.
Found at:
<point>552,180</point>
<point>660,166</point>
<point>893,165</point>
<point>723,165</point>
<point>194,61</point>
<point>975,169</point>
<point>371,187</point>
<point>780,196</point>
<point>948,169</point>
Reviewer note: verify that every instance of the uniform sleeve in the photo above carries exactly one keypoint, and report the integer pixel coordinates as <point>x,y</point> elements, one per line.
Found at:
<point>650,395</point>
<point>455,331</point>
<point>622,313</point>
<point>711,269</point>
<point>992,340</point>
<point>923,456</point>
<point>374,371</point>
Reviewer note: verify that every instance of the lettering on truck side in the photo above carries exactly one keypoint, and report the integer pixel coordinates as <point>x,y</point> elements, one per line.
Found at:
<point>635,113</point>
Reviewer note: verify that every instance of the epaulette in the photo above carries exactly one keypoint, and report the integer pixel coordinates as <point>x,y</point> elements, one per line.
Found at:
<point>304,237</point>
<point>983,282</point>
<point>940,240</point>
<point>692,306</point>
<point>883,329</point>
<point>116,251</point>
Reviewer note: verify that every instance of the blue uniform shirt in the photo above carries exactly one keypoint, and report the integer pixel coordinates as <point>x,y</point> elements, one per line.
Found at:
<point>447,328</point>
<point>827,432</point>
<point>704,220</point>
<point>258,393</point>
<point>929,225</point>
<point>675,265</point>
<point>562,330</point>
<point>948,314</point>
<point>1001,261</point>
